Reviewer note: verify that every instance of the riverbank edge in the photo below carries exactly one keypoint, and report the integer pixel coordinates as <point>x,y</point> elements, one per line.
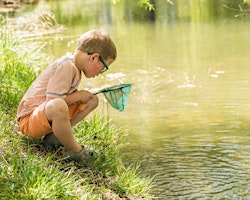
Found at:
<point>28,171</point>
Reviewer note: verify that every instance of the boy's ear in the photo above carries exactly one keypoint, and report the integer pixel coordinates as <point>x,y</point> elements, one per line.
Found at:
<point>95,57</point>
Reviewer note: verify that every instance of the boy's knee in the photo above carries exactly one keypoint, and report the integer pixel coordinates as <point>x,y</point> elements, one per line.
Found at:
<point>56,107</point>
<point>56,104</point>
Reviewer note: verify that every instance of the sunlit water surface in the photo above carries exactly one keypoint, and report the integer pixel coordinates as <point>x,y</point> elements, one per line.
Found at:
<point>188,112</point>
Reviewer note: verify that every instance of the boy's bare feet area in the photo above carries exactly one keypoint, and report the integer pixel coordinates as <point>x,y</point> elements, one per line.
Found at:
<point>84,155</point>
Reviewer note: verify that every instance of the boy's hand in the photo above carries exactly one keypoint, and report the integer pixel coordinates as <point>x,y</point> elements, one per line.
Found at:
<point>85,96</point>
<point>82,96</point>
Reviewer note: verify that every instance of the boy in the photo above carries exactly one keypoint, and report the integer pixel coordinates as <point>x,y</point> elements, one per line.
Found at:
<point>52,104</point>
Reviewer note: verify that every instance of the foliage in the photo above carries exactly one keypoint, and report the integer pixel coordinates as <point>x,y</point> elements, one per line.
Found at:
<point>35,25</point>
<point>239,7</point>
<point>21,59</point>
<point>16,72</point>
<point>104,138</point>
<point>145,4</point>
<point>108,140</point>
<point>28,171</point>
<point>29,177</point>
<point>128,181</point>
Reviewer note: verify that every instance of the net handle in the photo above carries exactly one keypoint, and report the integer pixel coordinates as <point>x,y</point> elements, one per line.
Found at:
<point>111,88</point>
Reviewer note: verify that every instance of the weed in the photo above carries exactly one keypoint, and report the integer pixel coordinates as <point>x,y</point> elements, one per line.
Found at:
<point>105,139</point>
<point>16,71</point>
<point>29,177</point>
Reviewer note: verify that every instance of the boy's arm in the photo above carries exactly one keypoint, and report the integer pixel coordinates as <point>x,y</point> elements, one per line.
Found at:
<point>82,96</point>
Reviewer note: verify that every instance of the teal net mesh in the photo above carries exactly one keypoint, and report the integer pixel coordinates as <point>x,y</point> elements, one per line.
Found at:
<point>117,95</point>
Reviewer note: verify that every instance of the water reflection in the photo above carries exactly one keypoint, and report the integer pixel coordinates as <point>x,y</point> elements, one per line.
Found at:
<point>195,161</point>
<point>188,110</point>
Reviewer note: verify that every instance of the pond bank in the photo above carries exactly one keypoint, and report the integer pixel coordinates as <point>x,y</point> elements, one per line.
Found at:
<point>30,171</point>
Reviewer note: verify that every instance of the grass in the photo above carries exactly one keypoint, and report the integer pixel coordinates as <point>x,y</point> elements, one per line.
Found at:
<point>30,171</point>
<point>29,177</point>
<point>14,73</point>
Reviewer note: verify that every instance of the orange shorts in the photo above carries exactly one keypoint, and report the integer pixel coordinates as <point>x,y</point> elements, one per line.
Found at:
<point>36,125</point>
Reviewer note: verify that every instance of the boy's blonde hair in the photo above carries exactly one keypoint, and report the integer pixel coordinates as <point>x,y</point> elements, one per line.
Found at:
<point>97,41</point>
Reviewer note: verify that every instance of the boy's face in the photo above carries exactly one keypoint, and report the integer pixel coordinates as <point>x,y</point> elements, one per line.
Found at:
<point>97,65</point>
<point>98,68</point>
<point>91,64</point>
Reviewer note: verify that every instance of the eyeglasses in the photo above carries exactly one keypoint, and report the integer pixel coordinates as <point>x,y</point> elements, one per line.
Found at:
<point>105,66</point>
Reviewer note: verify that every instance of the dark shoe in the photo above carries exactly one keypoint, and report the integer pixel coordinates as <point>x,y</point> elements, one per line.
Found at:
<point>90,156</point>
<point>51,141</point>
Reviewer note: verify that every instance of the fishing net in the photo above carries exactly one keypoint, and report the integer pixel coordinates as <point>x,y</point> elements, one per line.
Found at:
<point>117,95</point>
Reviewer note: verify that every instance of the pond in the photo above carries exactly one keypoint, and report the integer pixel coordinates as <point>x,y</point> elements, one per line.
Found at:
<point>189,108</point>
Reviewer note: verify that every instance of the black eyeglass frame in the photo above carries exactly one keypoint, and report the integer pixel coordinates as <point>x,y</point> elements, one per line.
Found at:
<point>105,66</point>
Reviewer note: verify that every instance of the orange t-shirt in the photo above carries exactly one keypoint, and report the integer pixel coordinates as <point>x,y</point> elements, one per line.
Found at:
<point>60,79</point>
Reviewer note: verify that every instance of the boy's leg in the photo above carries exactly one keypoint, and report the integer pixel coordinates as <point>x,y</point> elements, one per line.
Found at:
<point>52,141</point>
<point>90,106</point>
<point>57,112</point>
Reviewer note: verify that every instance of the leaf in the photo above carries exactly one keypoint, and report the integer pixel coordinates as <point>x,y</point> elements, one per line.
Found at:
<point>146,5</point>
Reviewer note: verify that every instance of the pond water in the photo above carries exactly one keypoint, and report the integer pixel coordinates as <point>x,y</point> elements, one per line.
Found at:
<point>189,108</point>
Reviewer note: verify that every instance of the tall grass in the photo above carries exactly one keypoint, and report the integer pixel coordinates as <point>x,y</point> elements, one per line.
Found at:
<point>106,139</point>
<point>16,68</point>
<point>28,171</point>
<point>29,177</point>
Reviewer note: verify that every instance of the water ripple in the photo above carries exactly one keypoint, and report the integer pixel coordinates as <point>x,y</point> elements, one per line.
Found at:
<point>207,171</point>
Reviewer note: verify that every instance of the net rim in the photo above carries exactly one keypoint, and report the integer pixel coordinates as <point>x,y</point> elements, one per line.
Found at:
<point>114,87</point>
